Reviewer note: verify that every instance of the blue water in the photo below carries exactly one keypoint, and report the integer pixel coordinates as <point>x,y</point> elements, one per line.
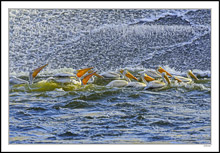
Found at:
<point>139,39</point>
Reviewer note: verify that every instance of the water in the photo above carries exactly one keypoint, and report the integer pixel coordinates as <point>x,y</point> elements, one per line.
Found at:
<point>69,39</point>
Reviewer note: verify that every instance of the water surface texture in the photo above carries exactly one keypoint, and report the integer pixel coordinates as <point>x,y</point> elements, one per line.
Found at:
<point>109,39</point>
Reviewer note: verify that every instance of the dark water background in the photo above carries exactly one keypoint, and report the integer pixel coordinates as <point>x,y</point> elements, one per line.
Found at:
<point>108,40</point>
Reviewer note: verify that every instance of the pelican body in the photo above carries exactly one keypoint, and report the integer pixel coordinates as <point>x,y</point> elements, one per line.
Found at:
<point>62,78</point>
<point>32,75</point>
<point>153,73</point>
<point>190,77</point>
<point>70,78</point>
<point>110,75</point>
<point>156,83</point>
<point>122,83</point>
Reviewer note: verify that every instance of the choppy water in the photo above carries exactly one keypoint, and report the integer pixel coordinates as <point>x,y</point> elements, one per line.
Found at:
<point>107,40</point>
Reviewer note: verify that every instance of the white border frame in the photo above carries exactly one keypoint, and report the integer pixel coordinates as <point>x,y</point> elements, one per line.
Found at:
<point>103,147</point>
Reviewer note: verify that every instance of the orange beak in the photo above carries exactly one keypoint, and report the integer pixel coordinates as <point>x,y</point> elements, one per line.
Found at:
<point>36,71</point>
<point>161,70</point>
<point>81,72</point>
<point>87,77</point>
<point>177,79</point>
<point>193,76</point>
<point>168,80</point>
<point>148,78</point>
<point>129,75</point>
<point>121,71</point>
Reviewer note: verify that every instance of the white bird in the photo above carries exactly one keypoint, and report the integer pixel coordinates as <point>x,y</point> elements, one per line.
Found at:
<point>161,70</point>
<point>110,75</point>
<point>95,74</point>
<point>190,77</point>
<point>156,74</point>
<point>32,75</point>
<point>62,78</point>
<point>133,84</point>
<point>69,77</point>
<point>151,73</point>
<point>122,83</point>
<point>156,83</point>
<point>87,77</point>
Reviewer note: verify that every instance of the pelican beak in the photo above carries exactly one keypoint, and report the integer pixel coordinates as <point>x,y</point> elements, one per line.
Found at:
<point>177,79</point>
<point>121,71</point>
<point>148,78</point>
<point>87,77</point>
<point>167,79</point>
<point>192,75</point>
<point>161,70</point>
<point>81,72</point>
<point>129,75</point>
<point>36,71</point>
<point>90,71</point>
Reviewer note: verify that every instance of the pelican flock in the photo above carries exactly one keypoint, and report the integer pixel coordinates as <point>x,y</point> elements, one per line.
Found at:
<point>149,79</point>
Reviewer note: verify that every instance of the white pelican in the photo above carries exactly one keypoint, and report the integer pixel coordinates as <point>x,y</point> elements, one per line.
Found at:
<point>156,83</point>
<point>62,78</point>
<point>110,75</point>
<point>95,74</point>
<point>146,77</point>
<point>87,77</point>
<point>155,74</point>
<point>69,78</point>
<point>190,77</point>
<point>161,70</point>
<point>122,83</point>
<point>128,75</point>
<point>151,73</point>
<point>32,75</point>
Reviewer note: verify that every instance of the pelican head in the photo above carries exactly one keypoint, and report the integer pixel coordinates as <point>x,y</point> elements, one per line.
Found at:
<point>161,70</point>
<point>128,74</point>
<point>87,77</point>
<point>147,77</point>
<point>81,72</point>
<point>189,72</point>
<point>121,71</point>
<point>33,73</point>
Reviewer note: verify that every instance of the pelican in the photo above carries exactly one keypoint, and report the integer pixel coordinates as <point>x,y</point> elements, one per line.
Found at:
<point>32,75</point>
<point>128,75</point>
<point>146,77</point>
<point>62,78</point>
<point>156,83</point>
<point>190,77</point>
<point>122,83</point>
<point>110,75</point>
<point>95,74</point>
<point>87,77</point>
<point>156,74</point>
<point>151,73</point>
<point>161,70</point>
<point>69,78</point>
